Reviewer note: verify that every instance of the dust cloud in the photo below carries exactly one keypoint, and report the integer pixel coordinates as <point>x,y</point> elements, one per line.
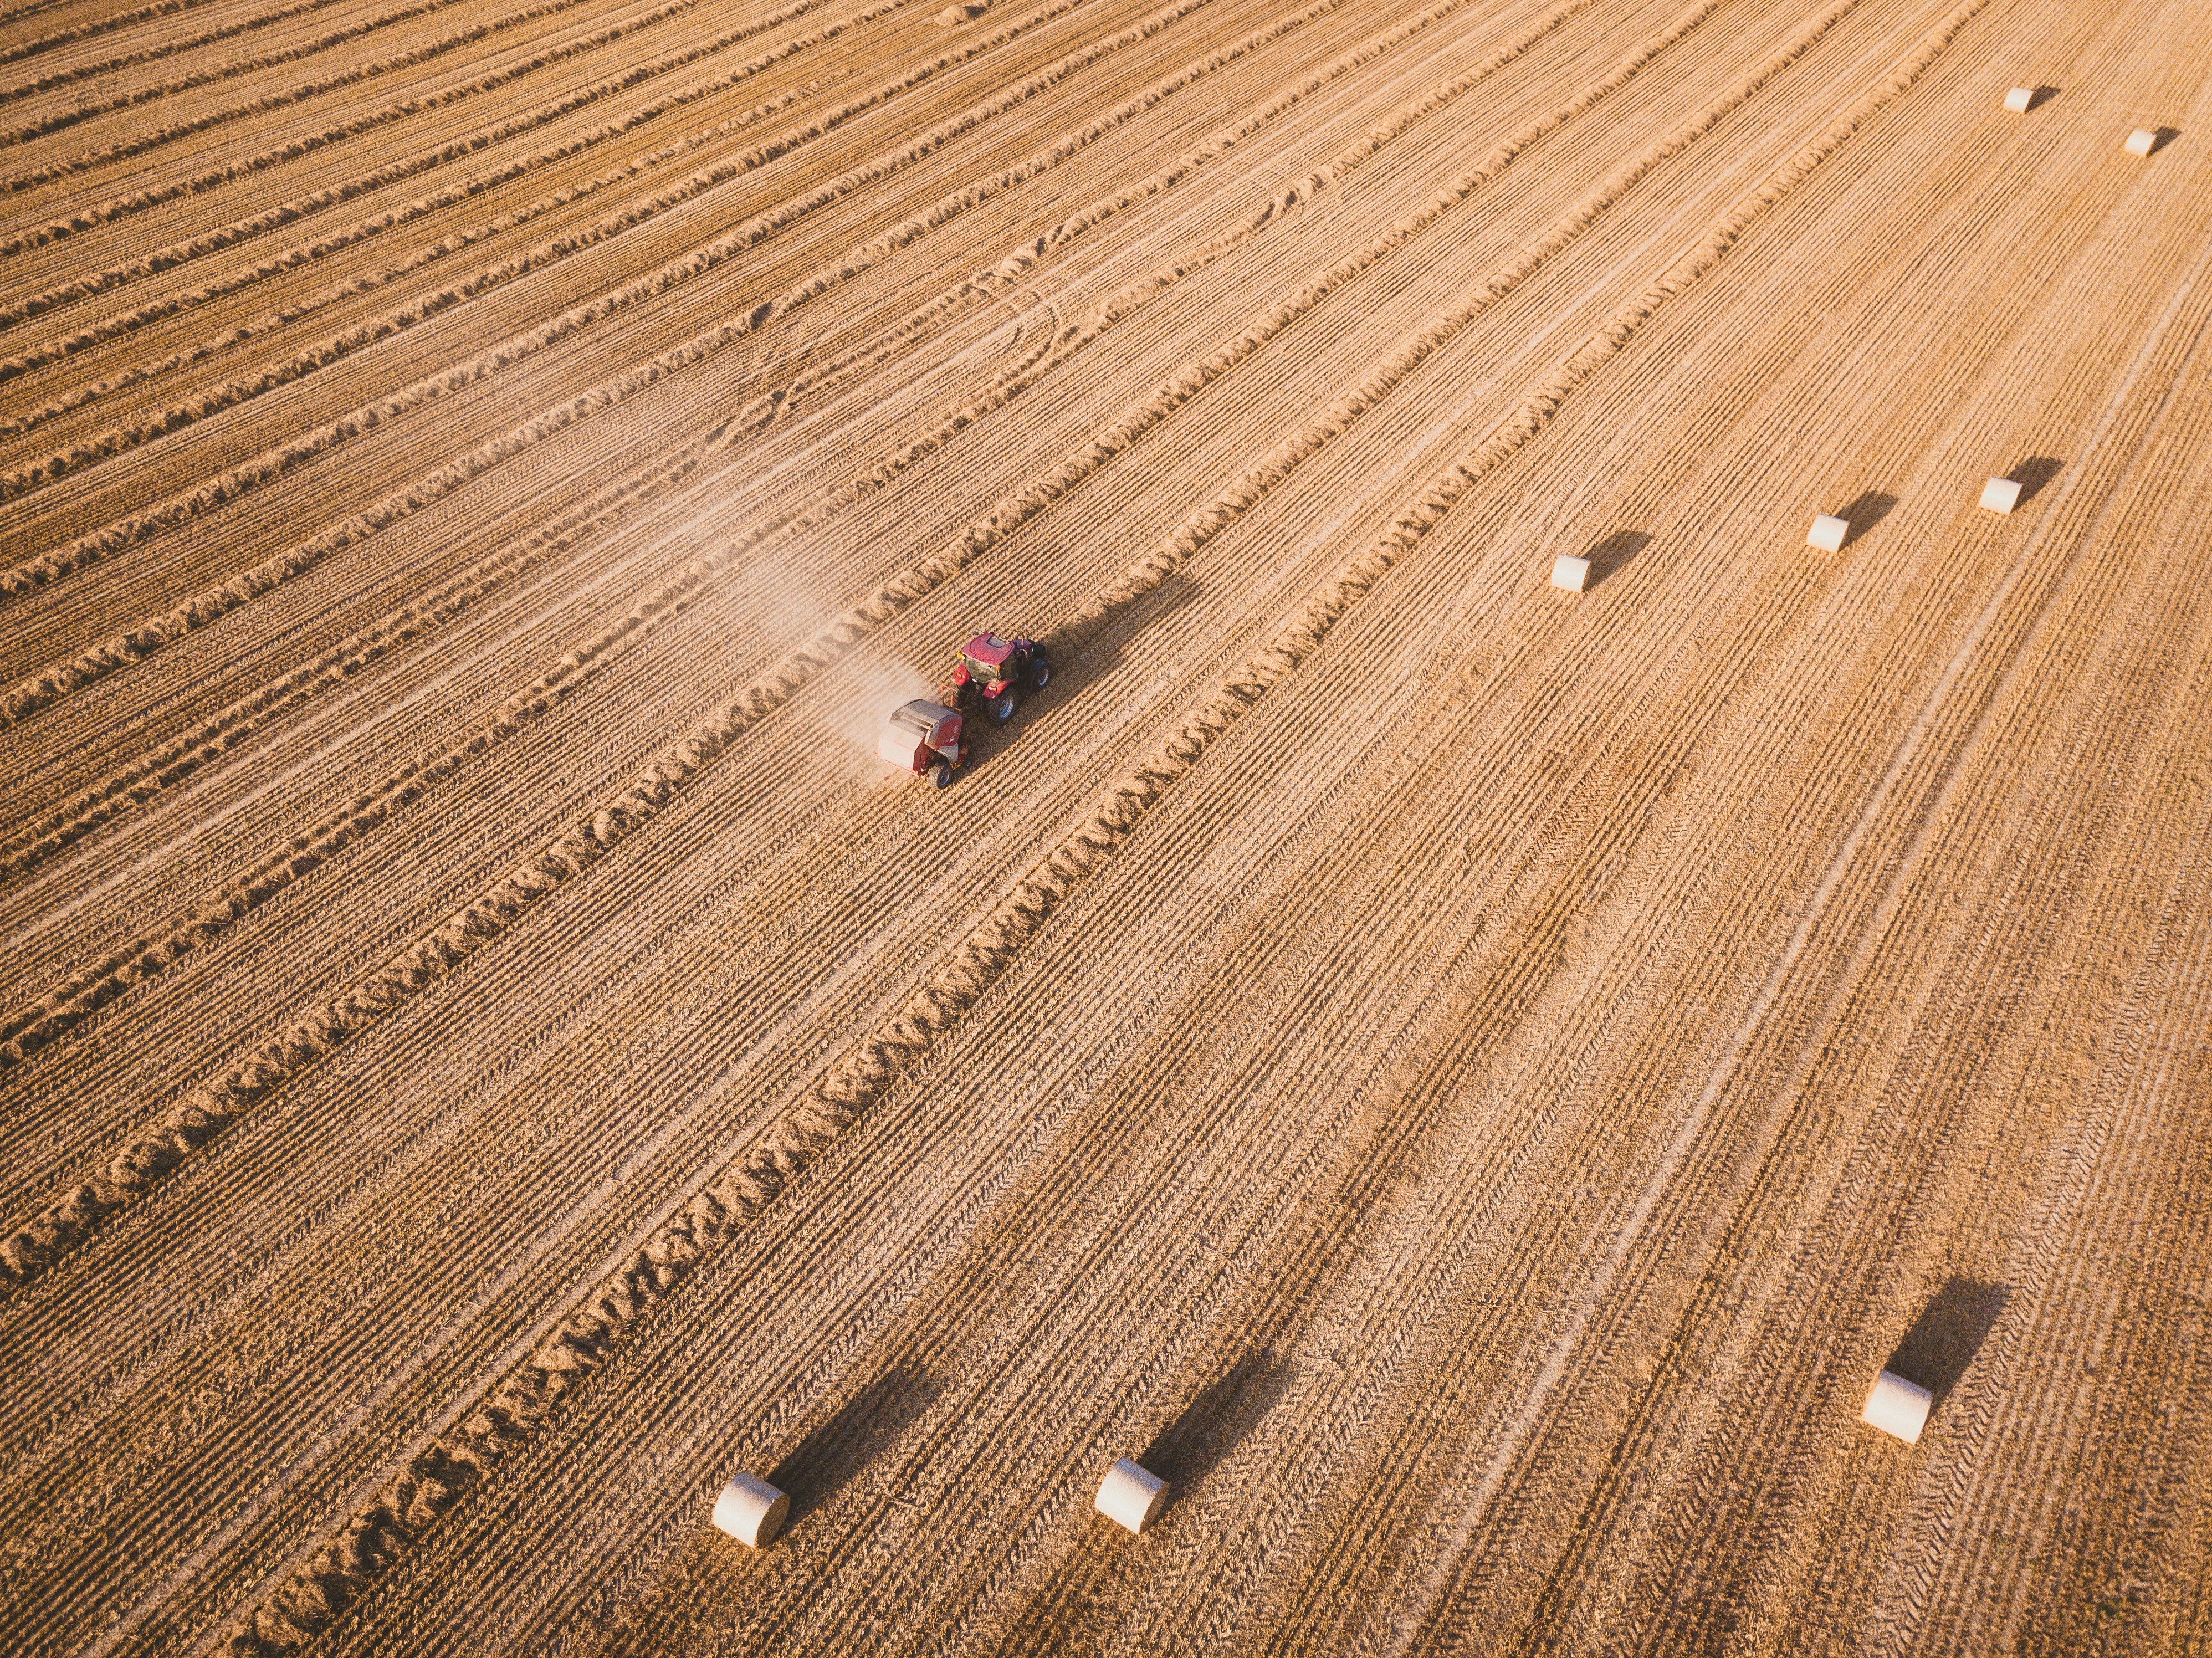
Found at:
<point>865,694</point>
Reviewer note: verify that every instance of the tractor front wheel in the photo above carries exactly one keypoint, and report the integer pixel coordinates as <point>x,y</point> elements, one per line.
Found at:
<point>940,775</point>
<point>1040,674</point>
<point>1001,707</point>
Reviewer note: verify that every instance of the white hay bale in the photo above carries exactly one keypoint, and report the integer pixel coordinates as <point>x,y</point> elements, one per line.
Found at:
<point>752,1510</point>
<point>2141,141</point>
<point>1570,571</point>
<point>2001,494</point>
<point>2019,99</point>
<point>1898,1408</point>
<point>1828,533</point>
<point>1131,1498</point>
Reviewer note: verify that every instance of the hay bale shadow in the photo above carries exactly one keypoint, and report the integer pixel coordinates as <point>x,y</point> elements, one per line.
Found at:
<point>710,1576</point>
<point>1195,1443</point>
<point>1609,553</point>
<point>1950,1330</point>
<point>2033,474</point>
<point>835,1451</point>
<point>1869,509</point>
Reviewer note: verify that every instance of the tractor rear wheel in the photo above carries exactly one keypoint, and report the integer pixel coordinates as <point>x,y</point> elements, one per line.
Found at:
<point>1040,673</point>
<point>940,775</point>
<point>1001,707</point>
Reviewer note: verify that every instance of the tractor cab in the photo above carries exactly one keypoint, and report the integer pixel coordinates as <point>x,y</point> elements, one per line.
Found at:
<point>985,656</point>
<point>993,672</point>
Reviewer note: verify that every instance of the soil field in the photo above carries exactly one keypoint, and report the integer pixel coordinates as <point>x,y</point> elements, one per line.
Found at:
<point>1468,1080</point>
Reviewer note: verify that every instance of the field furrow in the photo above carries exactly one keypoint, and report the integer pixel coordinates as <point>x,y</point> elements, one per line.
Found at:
<point>1468,1080</point>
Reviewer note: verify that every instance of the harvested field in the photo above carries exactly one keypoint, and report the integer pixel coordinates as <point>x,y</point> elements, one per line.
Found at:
<point>1468,1079</point>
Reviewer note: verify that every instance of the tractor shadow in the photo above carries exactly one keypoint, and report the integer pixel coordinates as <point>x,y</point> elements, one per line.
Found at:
<point>1196,1443</point>
<point>1609,554</point>
<point>1113,646</point>
<point>832,1454</point>
<point>1950,1330</point>
<point>1862,515</point>
<point>2033,474</point>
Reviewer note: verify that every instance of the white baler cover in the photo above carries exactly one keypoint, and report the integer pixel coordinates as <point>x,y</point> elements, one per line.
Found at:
<point>915,725</point>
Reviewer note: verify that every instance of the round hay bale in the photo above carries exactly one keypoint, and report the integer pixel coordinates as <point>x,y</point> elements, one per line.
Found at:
<point>2000,495</point>
<point>2021,99</point>
<point>1898,1408</point>
<point>1828,533</point>
<point>752,1510</point>
<point>1131,1498</point>
<point>1570,573</point>
<point>2141,141</point>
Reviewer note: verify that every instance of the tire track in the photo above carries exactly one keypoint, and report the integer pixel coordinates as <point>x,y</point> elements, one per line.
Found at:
<point>421,308</point>
<point>439,1476</point>
<point>173,254</point>
<point>181,508</point>
<point>1521,1429</point>
<point>1875,1216</point>
<point>2086,1339</point>
<point>2123,1084</point>
<point>1617,1562</point>
<point>769,407</point>
<point>190,1122</point>
<point>86,109</point>
<point>181,756</point>
<point>107,25</point>
<point>2076,725</point>
<point>154,139</point>
<point>76,72</point>
<point>209,401</point>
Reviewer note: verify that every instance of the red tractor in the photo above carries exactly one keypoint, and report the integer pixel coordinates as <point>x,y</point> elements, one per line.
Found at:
<point>990,674</point>
<point>993,672</point>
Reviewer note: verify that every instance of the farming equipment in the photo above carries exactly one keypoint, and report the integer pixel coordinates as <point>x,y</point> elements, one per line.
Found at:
<point>989,676</point>
<point>991,673</point>
<point>924,739</point>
